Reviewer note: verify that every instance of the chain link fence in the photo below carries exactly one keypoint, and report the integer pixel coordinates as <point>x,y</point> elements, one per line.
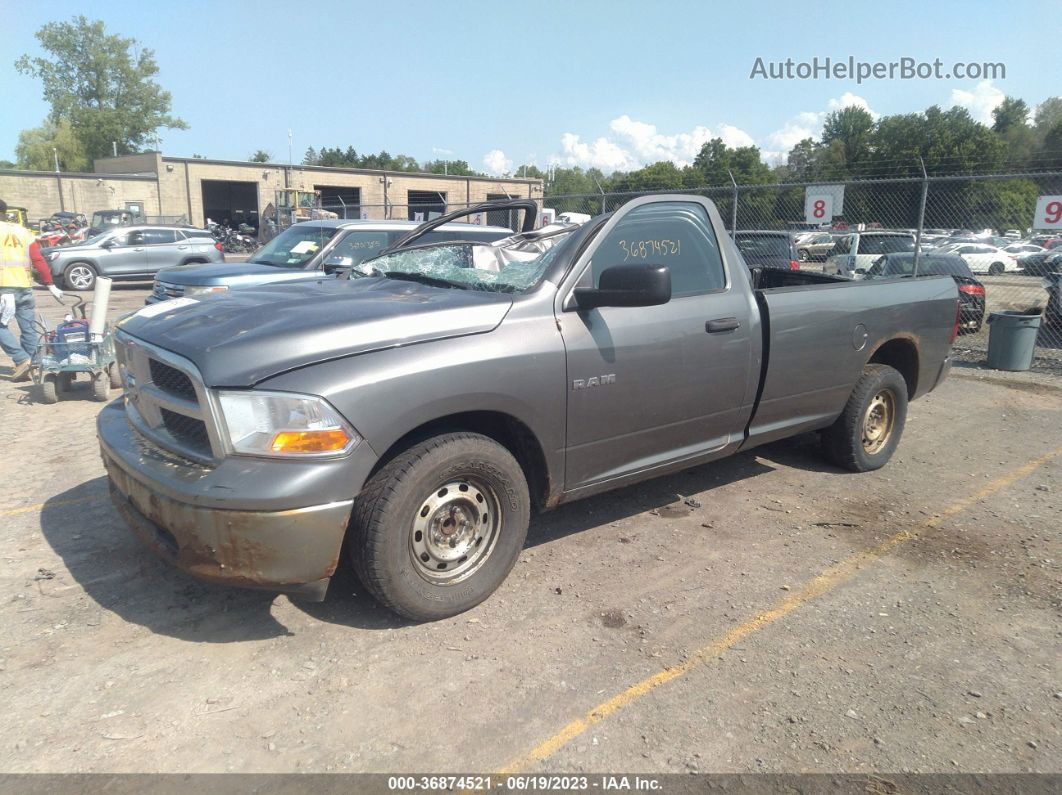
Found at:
<point>987,220</point>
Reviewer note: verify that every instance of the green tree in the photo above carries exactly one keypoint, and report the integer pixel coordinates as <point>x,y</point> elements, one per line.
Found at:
<point>459,168</point>
<point>102,84</point>
<point>853,127</point>
<point>1048,114</point>
<point>260,156</point>
<point>1010,113</point>
<point>38,148</point>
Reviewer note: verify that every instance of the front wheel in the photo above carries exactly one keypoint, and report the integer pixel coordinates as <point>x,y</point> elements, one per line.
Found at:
<point>866,434</point>
<point>803,254</point>
<point>80,276</point>
<point>438,528</point>
<point>995,269</point>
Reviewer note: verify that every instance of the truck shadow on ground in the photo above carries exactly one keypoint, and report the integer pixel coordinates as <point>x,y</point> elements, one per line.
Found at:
<point>123,577</point>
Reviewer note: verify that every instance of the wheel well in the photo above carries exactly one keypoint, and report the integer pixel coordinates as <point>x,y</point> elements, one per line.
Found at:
<point>902,356</point>
<point>194,261</point>
<point>505,429</point>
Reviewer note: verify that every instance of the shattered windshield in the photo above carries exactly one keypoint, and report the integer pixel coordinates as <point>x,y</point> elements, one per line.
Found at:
<point>513,264</point>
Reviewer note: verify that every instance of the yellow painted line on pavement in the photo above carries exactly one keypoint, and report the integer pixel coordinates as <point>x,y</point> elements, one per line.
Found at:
<point>42,505</point>
<point>825,582</point>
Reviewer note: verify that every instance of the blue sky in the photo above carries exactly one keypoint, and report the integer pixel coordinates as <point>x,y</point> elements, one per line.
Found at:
<point>613,84</point>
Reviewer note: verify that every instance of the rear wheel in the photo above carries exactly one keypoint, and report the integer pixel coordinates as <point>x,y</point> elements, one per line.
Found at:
<point>65,382</point>
<point>114,376</point>
<point>101,386</point>
<point>866,434</point>
<point>80,276</point>
<point>438,528</point>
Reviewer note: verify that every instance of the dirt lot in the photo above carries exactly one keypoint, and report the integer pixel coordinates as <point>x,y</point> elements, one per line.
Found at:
<point>764,613</point>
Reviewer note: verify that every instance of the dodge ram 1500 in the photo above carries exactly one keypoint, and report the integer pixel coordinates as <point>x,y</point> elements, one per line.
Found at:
<point>416,413</point>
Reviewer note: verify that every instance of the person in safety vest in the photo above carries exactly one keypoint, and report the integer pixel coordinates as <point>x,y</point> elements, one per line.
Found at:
<point>19,255</point>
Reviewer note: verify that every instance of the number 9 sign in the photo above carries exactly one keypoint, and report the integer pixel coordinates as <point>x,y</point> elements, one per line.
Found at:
<point>1048,213</point>
<point>818,208</point>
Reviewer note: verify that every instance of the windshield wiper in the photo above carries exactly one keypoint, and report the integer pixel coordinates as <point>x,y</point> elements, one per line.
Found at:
<point>423,278</point>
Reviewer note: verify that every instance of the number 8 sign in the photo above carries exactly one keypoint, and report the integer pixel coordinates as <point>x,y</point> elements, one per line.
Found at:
<point>1048,213</point>
<point>818,208</point>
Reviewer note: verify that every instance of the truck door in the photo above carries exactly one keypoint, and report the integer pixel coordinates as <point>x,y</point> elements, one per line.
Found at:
<point>648,386</point>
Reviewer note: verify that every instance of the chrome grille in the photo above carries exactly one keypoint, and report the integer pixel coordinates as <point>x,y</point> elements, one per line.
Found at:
<point>166,400</point>
<point>165,290</point>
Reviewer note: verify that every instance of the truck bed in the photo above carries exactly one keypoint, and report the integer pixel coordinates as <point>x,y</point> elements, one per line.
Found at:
<point>820,330</point>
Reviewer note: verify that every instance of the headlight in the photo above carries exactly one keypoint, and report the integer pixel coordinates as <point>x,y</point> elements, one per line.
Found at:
<point>53,256</point>
<point>284,424</point>
<point>220,288</point>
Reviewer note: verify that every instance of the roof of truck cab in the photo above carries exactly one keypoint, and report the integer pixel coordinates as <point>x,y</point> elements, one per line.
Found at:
<point>355,223</point>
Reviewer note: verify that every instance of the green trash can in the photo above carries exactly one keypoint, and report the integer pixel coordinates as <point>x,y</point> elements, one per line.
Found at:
<point>1012,340</point>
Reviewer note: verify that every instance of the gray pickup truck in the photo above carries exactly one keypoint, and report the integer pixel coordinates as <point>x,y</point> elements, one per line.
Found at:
<point>415,414</point>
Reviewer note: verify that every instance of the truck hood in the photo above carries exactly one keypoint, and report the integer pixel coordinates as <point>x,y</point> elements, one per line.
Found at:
<point>243,337</point>
<point>231,273</point>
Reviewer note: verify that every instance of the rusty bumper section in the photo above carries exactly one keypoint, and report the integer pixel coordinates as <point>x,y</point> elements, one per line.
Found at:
<point>294,551</point>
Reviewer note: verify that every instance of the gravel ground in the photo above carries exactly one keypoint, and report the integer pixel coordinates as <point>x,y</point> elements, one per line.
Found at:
<point>806,620</point>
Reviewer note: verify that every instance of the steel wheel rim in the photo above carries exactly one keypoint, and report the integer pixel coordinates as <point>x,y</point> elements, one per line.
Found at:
<point>80,277</point>
<point>878,421</point>
<point>454,531</point>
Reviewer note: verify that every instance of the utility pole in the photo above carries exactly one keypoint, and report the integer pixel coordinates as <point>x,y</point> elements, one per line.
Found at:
<point>921,218</point>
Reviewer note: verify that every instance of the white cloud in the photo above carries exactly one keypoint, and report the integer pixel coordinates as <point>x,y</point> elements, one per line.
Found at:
<point>634,144</point>
<point>497,163</point>
<point>808,124</point>
<point>980,102</point>
<point>850,100</point>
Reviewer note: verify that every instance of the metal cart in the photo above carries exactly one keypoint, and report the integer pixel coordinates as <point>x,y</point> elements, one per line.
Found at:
<point>68,350</point>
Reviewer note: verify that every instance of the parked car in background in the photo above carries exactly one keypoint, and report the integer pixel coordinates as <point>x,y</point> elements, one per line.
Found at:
<point>1019,249</point>
<point>104,220</point>
<point>983,258</point>
<point>1053,312</point>
<point>767,249</point>
<point>308,250</point>
<point>1037,263</point>
<point>130,253</point>
<point>971,291</point>
<point>858,251</point>
<point>814,247</point>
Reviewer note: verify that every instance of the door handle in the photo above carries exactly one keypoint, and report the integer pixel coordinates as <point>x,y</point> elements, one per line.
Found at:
<point>722,324</point>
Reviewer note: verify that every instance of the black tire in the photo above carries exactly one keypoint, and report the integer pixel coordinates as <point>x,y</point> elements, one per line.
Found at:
<point>802,255</point>
<point>79,273</point>
<point>114,376</point>
<point>101,386</point>
<point>396,500</point>
<point>996,268</point>
<point>49,390</point>
<point>844,442</point>
<point>65,382</point>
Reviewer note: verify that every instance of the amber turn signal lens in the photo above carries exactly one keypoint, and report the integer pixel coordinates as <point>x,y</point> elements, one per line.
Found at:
<point>327,441</point>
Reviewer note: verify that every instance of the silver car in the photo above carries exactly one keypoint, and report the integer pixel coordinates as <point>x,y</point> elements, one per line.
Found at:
<point>131,253</point>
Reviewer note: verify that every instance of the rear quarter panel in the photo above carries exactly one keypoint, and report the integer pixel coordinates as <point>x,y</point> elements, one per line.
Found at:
<point>817,349</point>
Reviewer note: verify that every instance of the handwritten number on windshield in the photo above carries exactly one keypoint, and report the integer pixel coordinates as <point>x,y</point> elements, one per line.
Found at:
<point>645,249</point>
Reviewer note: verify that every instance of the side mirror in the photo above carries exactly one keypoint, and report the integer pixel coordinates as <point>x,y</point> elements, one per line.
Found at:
<point>633,284</point>
<point>107,243</point>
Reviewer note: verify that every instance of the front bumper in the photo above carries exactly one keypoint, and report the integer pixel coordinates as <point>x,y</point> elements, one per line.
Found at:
<point>174,506</point>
